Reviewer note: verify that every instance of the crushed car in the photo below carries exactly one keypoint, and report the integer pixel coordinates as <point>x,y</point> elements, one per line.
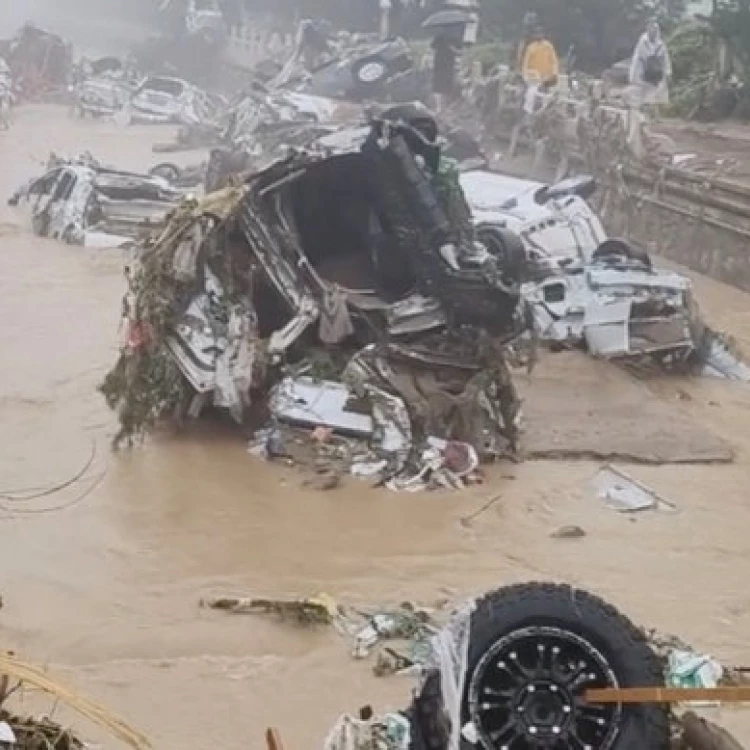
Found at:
<point>618,304</point>
<point>584,288</point>
<point>155,99</point>
<point>358,69</point>
<point>83,203</point>
<point>368,255</point>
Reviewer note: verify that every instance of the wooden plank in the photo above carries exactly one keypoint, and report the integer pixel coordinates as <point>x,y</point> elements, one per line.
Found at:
<point>273,739</point>
<point>737,694</point>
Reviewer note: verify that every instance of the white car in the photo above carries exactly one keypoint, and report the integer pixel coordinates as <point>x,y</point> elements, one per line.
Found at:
<point>84,204</point>
<point>161,99</point>
<point>554,221</point>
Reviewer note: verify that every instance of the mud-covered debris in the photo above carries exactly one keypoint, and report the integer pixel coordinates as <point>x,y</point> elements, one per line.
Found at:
<point>233,313</point>
<point>389,732</point>
<point>29,733</point>
<point>316,611</point>
<point>568,532</point>
<point>43,733</point>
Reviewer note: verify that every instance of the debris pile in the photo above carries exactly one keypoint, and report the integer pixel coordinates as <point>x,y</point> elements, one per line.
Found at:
<point>25,733</point>
<point>369,255</point>
<point>498,654</point>
<point>398,636</point>
<point>29,733</point>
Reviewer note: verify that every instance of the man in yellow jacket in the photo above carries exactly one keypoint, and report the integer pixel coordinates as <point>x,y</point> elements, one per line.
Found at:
<point>540,65</point>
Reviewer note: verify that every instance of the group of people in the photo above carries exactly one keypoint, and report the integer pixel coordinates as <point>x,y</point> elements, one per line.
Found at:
<point>538,63</point>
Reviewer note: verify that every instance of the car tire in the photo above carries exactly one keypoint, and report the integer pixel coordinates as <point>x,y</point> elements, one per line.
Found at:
<point>508,248</point>
<point>168,171</point>
<point>514,634</point>
<point>618,248</point>
<point>369,74</point>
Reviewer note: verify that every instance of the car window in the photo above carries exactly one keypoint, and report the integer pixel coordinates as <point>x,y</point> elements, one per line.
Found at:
<point>163,85</point>
<point>44,185</point>
<point>64,187</point>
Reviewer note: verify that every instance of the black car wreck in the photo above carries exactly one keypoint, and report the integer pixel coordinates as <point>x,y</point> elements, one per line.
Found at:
<point>369,255</point>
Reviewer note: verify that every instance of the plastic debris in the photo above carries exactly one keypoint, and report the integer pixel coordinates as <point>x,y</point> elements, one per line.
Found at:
<point>389,732</point>
<point>7,736</point>
<point>625,494</point>
<point>688,669</point>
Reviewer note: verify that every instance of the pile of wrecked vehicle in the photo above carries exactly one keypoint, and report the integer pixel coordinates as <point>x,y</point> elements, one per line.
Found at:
<point>374,291</point>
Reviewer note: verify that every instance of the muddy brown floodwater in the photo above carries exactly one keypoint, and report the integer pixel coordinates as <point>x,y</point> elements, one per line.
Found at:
<point>106,591</point>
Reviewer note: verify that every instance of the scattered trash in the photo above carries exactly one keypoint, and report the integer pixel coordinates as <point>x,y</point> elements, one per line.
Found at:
<point>320,610</point>
<point>389,732</point>
<point>625,494</point>
<point>568,532</point>
<point>32,733</point>
<point>687,669</point>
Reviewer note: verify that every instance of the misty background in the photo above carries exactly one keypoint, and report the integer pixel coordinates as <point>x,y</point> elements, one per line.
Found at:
<point>93,26</point>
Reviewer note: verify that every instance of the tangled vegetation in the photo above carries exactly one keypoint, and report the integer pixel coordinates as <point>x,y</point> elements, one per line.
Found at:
<point>146,385</point>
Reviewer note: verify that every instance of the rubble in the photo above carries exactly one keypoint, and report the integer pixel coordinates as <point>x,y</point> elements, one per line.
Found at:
<point>284,241</point>
<point>497,654</point>
<point>153,99</point>
<point>81,202</point>
<point>40,62</point>
<point>36,733</point>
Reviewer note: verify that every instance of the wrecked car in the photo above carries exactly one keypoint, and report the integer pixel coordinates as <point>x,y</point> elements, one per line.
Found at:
<point>362,73</point>
<point>299,121</point>
<point>370,253</point>
<point>555,222</point>
<point>155,99</point>
<point>355,69</point>
<point>82,203</point>
<point>618,304</point>
<point>101,96</point>
<point>161,99</point>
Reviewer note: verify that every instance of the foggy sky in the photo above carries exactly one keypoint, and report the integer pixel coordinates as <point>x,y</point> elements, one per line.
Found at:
<point>93,26</point>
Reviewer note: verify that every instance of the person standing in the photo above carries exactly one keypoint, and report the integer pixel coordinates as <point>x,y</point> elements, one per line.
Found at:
<point>650,69</point>
<point>446,52</point>
<point>540,66</point>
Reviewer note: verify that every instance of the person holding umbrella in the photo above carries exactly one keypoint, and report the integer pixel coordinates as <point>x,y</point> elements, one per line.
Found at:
<point>448,28</point>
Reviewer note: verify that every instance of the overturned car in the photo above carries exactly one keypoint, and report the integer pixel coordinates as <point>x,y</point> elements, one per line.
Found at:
<point>369,254</point>
<point>83,203</point>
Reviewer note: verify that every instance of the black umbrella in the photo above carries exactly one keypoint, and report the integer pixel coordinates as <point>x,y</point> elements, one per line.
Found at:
<point>447,18</point>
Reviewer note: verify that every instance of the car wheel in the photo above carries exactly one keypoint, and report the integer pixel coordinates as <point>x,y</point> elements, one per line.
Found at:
<point>166,170</point>
<point>507,248</point>
<point>613,249</point>
<point>533,651</point>
<point>369,73</point>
